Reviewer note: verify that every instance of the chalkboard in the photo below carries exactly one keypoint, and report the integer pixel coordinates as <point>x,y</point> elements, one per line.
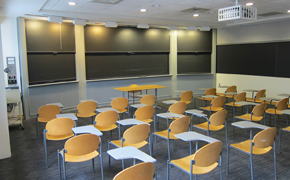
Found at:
<point>49,68</point>
<point>249,59</point>
<point>194,41</point>
<point>108,65</point>
<point>194,63</point>
<point>283,59</point>
<point>120,39</point>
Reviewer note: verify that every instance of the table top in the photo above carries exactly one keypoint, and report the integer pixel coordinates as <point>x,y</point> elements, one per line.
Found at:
<point>136,88</point>
<point>58,104</point>
<point>249,125</point>
<point>284,94</point>
<point>245,103</point>
<point>230,93</point>
<point>131,121</point>
<point>87,129</point>
<point>170,101</point>
<point>196,112</point>
<point>209,96</point>
<point>194,136</point>
<point>67,115</point>
<point>106,109</point>
<point>286,111</point>
<point>270,98</point>
<point>169,115</point>
<point>138,105</point>
<point>251,90</point>
<point>88,100</point>
<point>130,152</point>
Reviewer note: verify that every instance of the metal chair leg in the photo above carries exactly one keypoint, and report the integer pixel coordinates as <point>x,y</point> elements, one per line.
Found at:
<point>168,169</point>
<point>101,160</point>
<point>37,127</point>
<point>280,131</point>
<point>168,146</point>
<point>59,164</point>
<point>228,158</point>
<point>251,164</point>
<point>275,168</point>
<point>93,164</point>
<point>221,170</point>
<point>45,148</point>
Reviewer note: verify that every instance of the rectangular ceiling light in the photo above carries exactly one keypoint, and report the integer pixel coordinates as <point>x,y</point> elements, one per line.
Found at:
<point>111,24</point>
<point>55,19</point>
<point>79,22</point>
<point>143,26</point>
<point>171,27</point>
<point>204,28</point>
<point>191,28</point>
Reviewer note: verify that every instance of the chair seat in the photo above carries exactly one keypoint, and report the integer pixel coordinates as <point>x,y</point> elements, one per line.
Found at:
<point>45,120</point>
<point>82,158</point>
<point>286,129</point>
<point>184,163</point>
<point>59,137</point>
<point>211,127</point>
<point>163,134</point>
<point>232,104</point>
<point>122,110</point>
<point>212,108</point>
<point>272,111</point>
<point>248,117</point>
<point>272,103</point>
<point>206,99</point>
<point>186,102</point>
<point>118,143</point>
<point>86,115</point>
<point>146,120</point>
<point>253,100</point>
<point>246,147</point>
<point>106,128</point>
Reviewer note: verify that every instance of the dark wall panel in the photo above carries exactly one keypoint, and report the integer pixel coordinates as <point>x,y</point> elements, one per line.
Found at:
<point>120,65</point>
<point>283,59</point>
<point>48,68</point>
<point>200,63</point>
<point>99,38</point>
<point>194,41</point>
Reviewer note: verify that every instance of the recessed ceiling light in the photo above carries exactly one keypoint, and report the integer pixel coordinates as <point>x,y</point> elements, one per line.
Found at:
<point>288,11</point>
<point>72,3</point>
<point>143,10</point>
<point>195,15</point>
<point>156,5</point>
<point>250,4</point>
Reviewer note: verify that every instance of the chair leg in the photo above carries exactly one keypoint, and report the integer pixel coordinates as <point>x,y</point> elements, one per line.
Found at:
<point>93,165</point>
<point>275,168</point>
<point>234,127</point>
<point>280,131</point>
<point>168,146</point>
<point>234,113</point>
<point>228,158</point>
<point>190,147</point>
<point>59,164</point>
<point>63,165</point>
<point>251,164</point>
<point>168,169</point>
<point>226,134</point>
<point>102,173</point>
<point>37,127</point>
<point>111,135</point>
<point>45,149</point>
<point>172,145</point>
<point>221,170</point>
<point>275,120</point>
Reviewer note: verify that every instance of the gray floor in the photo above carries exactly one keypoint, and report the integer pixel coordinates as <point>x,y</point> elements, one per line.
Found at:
<point>27,161</point>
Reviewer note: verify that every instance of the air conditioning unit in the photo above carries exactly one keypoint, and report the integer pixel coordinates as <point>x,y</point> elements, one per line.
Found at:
<point>238,13</point>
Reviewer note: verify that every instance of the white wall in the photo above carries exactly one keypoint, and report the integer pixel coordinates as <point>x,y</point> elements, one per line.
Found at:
<point>267,32</point>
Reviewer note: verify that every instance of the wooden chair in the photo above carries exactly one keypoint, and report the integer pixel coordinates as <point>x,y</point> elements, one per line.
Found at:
<point>211,91</point>
<point>186,96</point>
<point>216,122</point>
<point>46,113</point>
<point>120,104</point>
<point>216,104</point>
<point>203,161</point>
<point>144,114</point>
<point>180,125</point>
<point>86,109</point>
<point>79,149</point>
<point>281,105</point>
<point>148,99</point>
<point>142,171</point>
<point>134,92</point>
<point>232,89</point>
<point>106,121</point>
<point>134,136</point>
<point>239,97</point>
<point>178,108</point>
<point>56,130</point>
<point>257,97</point>
<point>261,144</point>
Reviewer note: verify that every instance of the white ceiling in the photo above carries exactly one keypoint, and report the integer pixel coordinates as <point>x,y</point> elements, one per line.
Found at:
<point>127,12</point>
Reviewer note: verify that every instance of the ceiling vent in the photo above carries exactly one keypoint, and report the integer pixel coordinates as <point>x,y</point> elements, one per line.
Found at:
<point>195,10</point>
<point>270,14</point>
<point>107,1</point>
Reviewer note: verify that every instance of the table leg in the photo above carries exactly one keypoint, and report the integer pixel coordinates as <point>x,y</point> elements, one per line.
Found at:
<point>196,146</point>
<point>190,147</point>
<point>251,134</point>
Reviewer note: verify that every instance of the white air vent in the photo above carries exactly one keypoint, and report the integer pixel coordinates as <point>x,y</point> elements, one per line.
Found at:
<point>107,1</point>
<point>238,13</point>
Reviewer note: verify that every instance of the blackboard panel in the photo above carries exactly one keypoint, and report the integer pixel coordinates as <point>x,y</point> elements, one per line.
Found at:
<point>283,59</point>
<point>248,59</point>
<point>194,41</point>
<point>190,63</point>
<point>99,38</point>
<point>45,36</point>
<point>48,68</point>
<point>122,65</point>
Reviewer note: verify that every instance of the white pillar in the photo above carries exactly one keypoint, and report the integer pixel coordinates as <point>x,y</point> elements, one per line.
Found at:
<point>173,61</point>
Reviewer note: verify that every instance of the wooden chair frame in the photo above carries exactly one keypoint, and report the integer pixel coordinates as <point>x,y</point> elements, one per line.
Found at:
<point>278,107</point>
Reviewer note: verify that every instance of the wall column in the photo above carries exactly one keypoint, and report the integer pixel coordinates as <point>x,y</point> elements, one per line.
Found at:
<point>213,56</point>
<point>173,61</point>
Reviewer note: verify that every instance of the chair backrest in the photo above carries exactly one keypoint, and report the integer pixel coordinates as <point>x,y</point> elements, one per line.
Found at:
<point>141,171</point>
<point>218,118</point>
<point>134,85</point>
<point>231,89</point>
<point>218,101</point>
<point>186,96</point>
<point>178,108</point>
<point>145,112</point>
<point>119,103</point>
<point>148,99</point>
<point>137,134</point>
<point>265,138</point>
<point>259,110</point>
<point>260,93</point>
<point>48,111</point>
<point>60,126</point>
<point>211,91</point>
<point>87,107</point>
<point>208,154</point>
<point>240,97</point>
<point>180,125</point>
<point>82,144</point>
<point>107,118</point>
<point>282,104</point>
